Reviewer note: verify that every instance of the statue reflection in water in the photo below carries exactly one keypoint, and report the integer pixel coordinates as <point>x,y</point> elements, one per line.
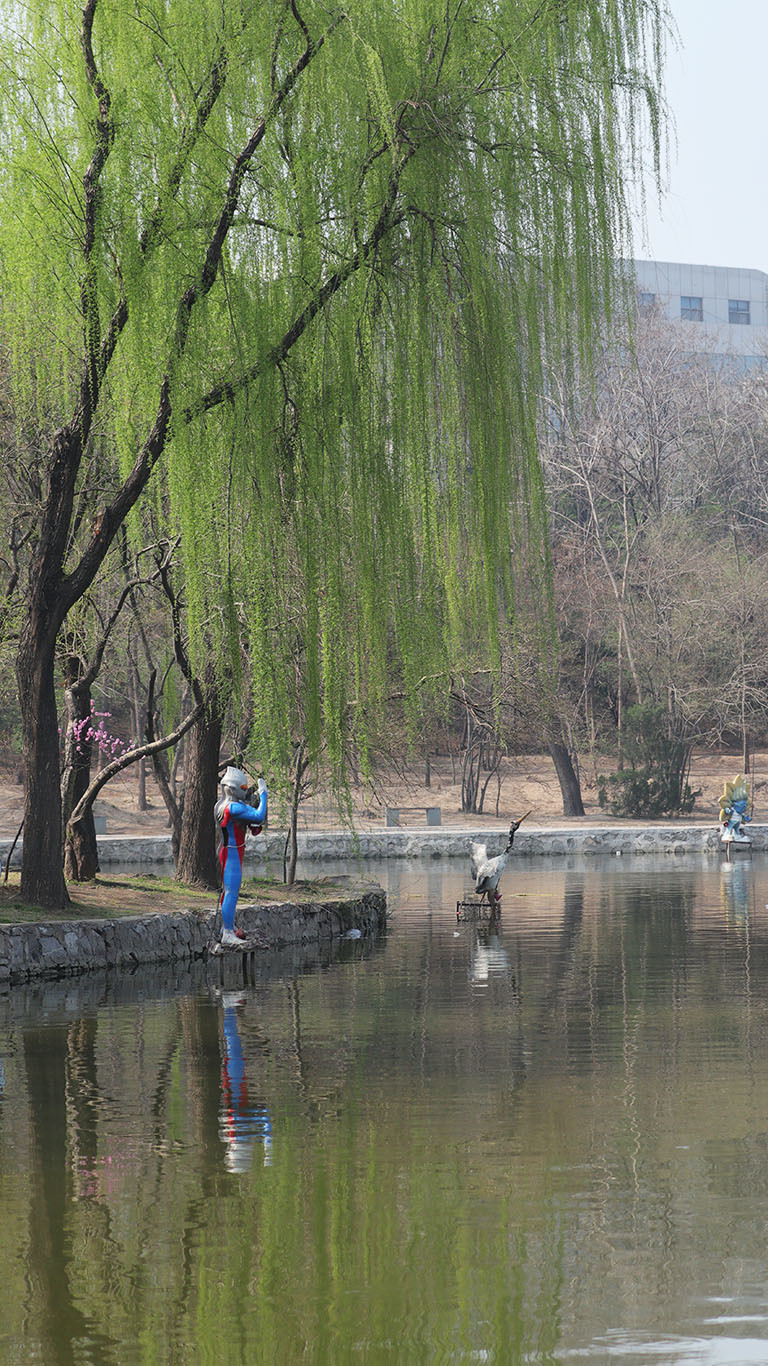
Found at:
<point>736,886</point>
<point>244,1124</point>
<point>489,956</point>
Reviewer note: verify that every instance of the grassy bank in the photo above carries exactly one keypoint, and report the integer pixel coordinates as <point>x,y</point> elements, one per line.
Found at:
<point>112,895</point>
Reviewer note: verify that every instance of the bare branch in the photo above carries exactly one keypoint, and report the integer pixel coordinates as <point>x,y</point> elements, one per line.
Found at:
<point>130,757</point>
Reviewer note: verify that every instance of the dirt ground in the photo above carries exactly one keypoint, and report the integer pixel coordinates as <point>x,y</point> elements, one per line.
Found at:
<point>529,783</point>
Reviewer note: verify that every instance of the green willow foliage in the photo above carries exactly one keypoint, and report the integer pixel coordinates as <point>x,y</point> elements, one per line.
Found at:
<point>342,243</point>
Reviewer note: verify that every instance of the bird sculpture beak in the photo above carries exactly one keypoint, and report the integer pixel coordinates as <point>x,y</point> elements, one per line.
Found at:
<point>516,824</point>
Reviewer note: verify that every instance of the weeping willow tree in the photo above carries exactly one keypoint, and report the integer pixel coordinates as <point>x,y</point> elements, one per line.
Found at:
<point>307,259</point>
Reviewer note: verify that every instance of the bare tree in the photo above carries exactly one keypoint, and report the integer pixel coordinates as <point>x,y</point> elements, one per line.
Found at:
<point>658,480</point>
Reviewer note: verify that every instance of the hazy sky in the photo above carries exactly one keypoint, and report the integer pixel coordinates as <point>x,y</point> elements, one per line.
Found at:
<point>715,212</point>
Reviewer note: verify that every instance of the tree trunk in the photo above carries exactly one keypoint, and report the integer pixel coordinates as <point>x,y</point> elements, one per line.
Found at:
<point>81,853</point>
<point>493,759</point>
<point>174,807</point>
<point>619,709</point>
<point>300,767</point>
<point>293,846</point>
<point>567,778</point>
<point>60,1321</point>
<point>135,686</point>
<point>469,780</point>
<point>42,870</point>
<point>165,779</point>
<point>470,768</point>
<point>197,863</point>
<point>81,857</point>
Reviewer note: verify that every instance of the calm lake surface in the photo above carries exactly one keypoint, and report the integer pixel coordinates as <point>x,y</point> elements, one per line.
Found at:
<point>543,1142</point>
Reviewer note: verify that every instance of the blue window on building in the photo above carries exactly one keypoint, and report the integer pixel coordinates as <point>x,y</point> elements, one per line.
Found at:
<point>645,301</point>
<point>691,308</point>
<point>738,311</point>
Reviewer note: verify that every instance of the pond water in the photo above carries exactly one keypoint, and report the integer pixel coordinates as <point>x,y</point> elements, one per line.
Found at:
<point>544,1141</point>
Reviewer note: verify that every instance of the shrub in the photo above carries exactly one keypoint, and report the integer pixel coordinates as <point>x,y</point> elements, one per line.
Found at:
<point>658,756</point>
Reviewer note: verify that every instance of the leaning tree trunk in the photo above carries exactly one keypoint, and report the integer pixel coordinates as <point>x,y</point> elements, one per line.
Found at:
<point>81,856</point>
<point>42,870</point>
<point>197,863</point>
<point>567,777</point>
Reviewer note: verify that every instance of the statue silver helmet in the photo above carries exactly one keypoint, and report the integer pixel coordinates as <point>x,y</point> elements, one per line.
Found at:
<point>235,783</point>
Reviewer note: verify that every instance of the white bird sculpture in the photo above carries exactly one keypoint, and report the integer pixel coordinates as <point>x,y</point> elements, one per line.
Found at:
<point>487,871</point>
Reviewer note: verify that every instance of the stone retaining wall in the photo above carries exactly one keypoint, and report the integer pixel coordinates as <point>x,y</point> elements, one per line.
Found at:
<point>57,948</point>
<point>433,842</point>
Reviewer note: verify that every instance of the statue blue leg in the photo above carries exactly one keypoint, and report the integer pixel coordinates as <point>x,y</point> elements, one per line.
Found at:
<point>232,876</point>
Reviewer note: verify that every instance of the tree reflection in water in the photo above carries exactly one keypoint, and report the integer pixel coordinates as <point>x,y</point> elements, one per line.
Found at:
<point>515,1141</point>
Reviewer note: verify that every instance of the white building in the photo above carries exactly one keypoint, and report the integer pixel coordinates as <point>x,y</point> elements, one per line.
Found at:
<point>721,311</point>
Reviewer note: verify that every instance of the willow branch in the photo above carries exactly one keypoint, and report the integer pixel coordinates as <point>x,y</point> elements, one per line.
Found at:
<point>104,137</point>
<point>202,286</point>
<point>179,649</point>
<point>189,139</point>
<point>135,483</point>
<point>226,390</point>
<point>152,230</point>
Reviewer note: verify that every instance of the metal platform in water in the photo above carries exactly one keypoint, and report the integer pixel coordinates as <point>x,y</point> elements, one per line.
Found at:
<point>476,910</point>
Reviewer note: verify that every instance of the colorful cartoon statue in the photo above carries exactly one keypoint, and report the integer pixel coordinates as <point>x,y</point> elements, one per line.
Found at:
<point>234,816</point>
<point>733,811</point>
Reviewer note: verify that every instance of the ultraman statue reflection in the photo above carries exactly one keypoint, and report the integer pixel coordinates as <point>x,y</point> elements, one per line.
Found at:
<point>243,1123</point>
